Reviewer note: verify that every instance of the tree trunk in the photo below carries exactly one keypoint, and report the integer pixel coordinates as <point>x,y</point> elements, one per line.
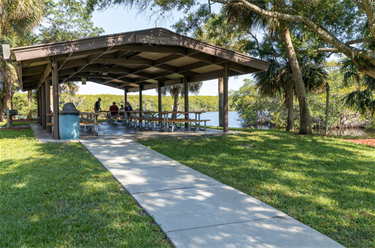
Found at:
<point>305,123</point>
<point>221,102</point>
<point>7,90</point>
<point>290,120</point>
<point>1,109</point>
<point>29,98</point>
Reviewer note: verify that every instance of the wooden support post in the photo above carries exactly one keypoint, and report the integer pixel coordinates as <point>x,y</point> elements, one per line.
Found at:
<point>125,96</point>
<point>221,102</point>
<point>186,89</point>
<point>55,86</point>
<point>225,102</point>
<point>160,107</point>
<point>140,97</point>
<point>38,106</point>
<point>43,97</point>
<point>48,104</point>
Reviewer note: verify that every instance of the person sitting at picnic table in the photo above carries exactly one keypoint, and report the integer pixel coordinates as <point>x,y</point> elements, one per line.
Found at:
<point>113,109</point>
<point>122,110</point>
<point>128,107</point>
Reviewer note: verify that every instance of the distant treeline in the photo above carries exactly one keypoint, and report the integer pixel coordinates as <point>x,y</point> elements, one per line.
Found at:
<point>86,102</point>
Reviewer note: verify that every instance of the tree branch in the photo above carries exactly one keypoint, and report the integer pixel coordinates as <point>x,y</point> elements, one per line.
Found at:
<point>367,6</point>
<point>255,38</point>
<point>322,32</point>
<point>358,3</point>
<point>360,41</point>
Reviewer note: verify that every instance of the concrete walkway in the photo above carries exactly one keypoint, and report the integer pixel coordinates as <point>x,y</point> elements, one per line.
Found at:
<point>195,210</point>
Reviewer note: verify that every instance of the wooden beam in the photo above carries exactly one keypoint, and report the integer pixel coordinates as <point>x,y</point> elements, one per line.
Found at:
<point>208,58</point>
<point>153,49</point>
<point>74,63</point>
<point>61,64</point>
<point>225,102</point>
<point>32,62</point>
<point>167,59</point>
<point>31,78</point>
<point>241,68</point>
<point>166,67</point>
<point>206,76</point>
<point>192,66</point>
<point>67,71</point>
<point>79,54</point>
<point>95,68</point>
<point>45,74</point>
<point>125,61</point>
<point>33,70</point>
<point>91,59</point>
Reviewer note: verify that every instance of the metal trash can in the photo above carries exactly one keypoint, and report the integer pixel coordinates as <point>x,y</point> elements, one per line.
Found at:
<point>69,122</point>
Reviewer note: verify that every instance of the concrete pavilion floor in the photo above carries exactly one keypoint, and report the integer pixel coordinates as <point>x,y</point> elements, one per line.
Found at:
<point>193,209</point>
<point>119,130</point>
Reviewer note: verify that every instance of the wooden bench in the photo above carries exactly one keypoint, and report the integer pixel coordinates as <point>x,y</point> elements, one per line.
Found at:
<point>197,122</point>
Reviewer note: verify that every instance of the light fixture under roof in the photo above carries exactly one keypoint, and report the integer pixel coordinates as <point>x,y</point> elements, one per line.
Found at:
<point>105,73</point>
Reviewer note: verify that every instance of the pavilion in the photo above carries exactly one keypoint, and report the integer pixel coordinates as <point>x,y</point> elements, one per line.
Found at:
<point>131,61</point>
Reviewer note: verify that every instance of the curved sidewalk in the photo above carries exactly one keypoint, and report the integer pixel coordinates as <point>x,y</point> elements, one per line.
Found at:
<point>195,210</point>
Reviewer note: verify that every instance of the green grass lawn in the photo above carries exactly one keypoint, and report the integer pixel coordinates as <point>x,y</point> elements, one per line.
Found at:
<point>15,124</point>
<point>58,195</point>
<point>326,183</point>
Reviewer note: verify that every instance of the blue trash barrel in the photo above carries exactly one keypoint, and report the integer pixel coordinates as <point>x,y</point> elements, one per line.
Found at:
<point>69,122</point>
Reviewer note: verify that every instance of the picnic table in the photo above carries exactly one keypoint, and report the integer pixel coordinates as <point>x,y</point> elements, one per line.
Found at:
<point>90,121</point>
<point>164,119</point>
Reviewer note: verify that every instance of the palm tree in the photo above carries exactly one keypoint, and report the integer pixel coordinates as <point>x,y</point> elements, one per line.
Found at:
<point>176,90</point>
<point>17,18</point>
<point>278,79</point>
<point>20,16</point>
<point>69,87</point>
<point>277,30</point>
<point>361,100</point>
<point>8,76</point>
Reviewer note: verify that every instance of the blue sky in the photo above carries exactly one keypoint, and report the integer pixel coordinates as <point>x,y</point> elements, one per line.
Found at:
<point>120,19</point>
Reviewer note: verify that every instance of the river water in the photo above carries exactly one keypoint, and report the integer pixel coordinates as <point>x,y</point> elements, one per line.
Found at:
<point>234,120</point>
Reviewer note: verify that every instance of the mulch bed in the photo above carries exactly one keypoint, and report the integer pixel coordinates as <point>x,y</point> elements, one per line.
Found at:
<point>369,142</point>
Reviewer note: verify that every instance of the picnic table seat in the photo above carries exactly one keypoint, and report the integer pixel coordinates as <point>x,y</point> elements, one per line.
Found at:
<point>191,121</point>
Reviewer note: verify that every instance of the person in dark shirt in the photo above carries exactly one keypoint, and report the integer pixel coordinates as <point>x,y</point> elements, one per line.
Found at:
<point>128,107</point>
<point>113,109</point>
<point>97,105</point>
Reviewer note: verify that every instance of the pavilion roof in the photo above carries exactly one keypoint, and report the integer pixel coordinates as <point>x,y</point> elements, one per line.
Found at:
<point>128,60</point>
